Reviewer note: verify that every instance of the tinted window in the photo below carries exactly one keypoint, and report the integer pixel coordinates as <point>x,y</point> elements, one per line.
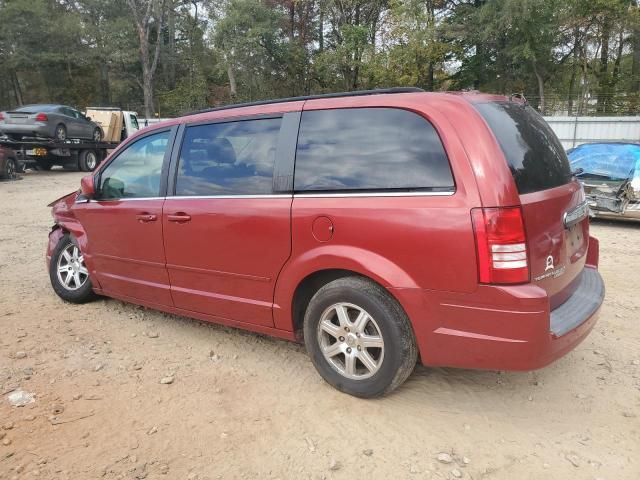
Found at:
<point>234,158</point>
<point>369,149</point>
<point>137,171</point>
<point>535,155</point>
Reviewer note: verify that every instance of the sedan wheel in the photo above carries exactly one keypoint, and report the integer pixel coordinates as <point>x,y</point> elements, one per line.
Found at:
<point>61,133</point>
<point>72,272</point>
<point>97,135</point>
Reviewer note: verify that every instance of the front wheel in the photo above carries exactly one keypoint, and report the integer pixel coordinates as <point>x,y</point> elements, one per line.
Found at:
<point>68,273</point>
<point>359,338</point>
<point>9,169</point>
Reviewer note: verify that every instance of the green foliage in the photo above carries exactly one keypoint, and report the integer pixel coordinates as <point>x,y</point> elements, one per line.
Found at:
<point>577,56</point>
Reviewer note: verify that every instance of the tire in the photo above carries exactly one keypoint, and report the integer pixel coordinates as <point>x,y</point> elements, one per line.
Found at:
<point>9,169</point>
<point>60,133</point>
<point>390,363</point>
<point>69,290</point>
<point>97,135</point>
<point>88,160</point>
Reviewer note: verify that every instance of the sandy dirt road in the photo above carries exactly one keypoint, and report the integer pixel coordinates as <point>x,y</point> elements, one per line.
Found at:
<point>247,406</point>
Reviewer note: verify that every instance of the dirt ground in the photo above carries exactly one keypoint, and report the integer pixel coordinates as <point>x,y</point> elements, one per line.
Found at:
<point>247,406</point>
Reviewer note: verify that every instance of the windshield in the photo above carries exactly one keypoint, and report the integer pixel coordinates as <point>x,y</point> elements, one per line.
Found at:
<point>535,155</point>
<point>615,161</point>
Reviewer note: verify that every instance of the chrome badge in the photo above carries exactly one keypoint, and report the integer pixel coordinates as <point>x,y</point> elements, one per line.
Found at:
<point>576,214</point>
<point>549,265</point>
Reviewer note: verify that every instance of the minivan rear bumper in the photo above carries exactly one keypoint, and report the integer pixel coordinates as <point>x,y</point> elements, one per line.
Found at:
<point>502,328</point>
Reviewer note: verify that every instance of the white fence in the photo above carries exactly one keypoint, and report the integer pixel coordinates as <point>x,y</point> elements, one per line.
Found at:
<point>574,131</point>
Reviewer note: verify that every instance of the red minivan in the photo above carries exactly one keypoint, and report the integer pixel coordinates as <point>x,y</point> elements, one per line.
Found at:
<point>378,226</point>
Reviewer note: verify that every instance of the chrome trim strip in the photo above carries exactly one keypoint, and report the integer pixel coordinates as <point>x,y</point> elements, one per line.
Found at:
<point>204,197</point>
<point>375,194</point>
<point>110,200</point>
<point>287,195</point>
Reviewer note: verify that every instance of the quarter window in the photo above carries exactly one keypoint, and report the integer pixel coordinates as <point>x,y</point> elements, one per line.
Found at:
<point>137,171</point>
<point>369,149</point>
<point>234,158</point>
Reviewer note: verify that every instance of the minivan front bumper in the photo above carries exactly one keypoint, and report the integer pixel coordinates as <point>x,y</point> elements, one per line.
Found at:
<point>503,328</point>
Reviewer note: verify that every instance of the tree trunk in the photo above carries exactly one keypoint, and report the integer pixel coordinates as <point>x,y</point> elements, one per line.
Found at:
<point>479,56</point>
<point>147,88</point>
<point>233,91</point>
<point>635,67</point>
<point>321,31</point>
<point>144,22</point>
<point>430,77</point>
<point>16,88</point>
<point>292,20</point>
<point>171,68</point>
<point>541,105</point>
<point>574,62</point>
<point>603,73</point>
<point>105,90</point>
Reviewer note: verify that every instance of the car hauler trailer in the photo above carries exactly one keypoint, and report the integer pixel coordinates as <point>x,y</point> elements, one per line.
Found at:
<point>71,154</point>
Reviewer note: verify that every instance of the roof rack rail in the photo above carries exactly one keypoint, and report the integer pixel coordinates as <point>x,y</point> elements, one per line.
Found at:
<point>356,93</point>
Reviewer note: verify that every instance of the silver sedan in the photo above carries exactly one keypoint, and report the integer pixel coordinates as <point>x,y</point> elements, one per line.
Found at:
<point>49,121</point>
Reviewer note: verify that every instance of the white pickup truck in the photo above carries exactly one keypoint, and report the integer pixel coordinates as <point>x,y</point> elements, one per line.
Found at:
<point>130,123</point>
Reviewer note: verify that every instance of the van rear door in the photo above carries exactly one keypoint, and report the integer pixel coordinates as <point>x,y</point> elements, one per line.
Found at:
<point>553,201</point>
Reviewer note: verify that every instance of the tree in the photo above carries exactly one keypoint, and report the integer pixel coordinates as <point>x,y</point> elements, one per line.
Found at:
<point>148,15</point>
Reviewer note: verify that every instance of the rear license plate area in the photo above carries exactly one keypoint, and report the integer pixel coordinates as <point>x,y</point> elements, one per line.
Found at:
<point>574,238</point>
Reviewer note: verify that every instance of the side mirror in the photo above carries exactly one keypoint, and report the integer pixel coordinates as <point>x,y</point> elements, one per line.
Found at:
<point>87,187</point>
<point>88,118</point>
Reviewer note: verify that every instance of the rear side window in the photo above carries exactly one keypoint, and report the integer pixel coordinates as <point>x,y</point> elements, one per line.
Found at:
<point>535,155</point>
<point>234,158</point>
<point>358,149</point>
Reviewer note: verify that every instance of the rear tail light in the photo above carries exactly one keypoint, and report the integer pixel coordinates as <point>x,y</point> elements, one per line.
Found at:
<point>1,116</point>
<point>501,245</point>
<point>42,117</point>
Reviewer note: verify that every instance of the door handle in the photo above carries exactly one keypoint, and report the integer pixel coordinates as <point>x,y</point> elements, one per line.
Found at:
<point>179,217</point>
<point>146,217</point>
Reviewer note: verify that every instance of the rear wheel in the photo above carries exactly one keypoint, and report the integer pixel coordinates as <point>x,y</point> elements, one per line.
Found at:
<point>97,135</point>
<point>88,160</point>
<point>359,337</point>
<point>60,132</point>
<point>68,273</point>
<point>9,169</point>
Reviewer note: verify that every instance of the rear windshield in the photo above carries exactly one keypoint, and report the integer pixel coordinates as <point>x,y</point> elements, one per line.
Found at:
<point>535,155</point>
<point>36,108</point>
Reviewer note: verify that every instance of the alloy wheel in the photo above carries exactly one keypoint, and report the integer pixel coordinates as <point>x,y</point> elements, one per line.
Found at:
<point>61,133</point>
<point>351,341</point>
<point>11,168</point>
<point>72,272</point>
